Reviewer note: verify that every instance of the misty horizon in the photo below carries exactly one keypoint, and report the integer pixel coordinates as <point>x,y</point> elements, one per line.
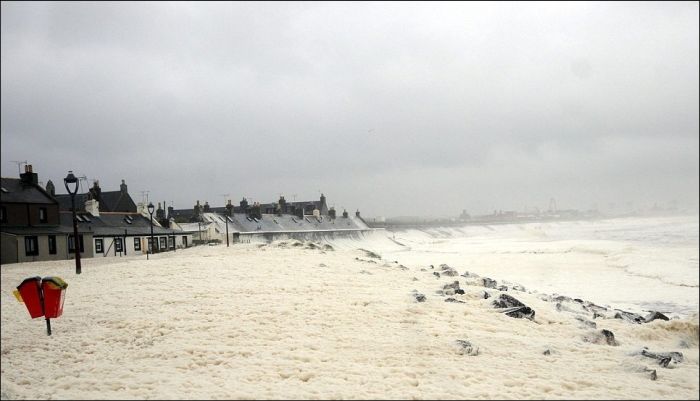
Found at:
<point>392,109</point>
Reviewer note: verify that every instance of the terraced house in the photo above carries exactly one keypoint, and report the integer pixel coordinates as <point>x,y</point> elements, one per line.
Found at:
<point>30,223</point>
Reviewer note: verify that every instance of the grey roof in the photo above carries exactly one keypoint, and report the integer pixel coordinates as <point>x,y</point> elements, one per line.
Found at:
<point>14,191</point>
<point>109,224</point>
<point>286,223</point>
<point>110,201</point>
<point>189,213</point>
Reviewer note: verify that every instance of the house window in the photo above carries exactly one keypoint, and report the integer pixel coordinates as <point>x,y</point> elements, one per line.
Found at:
<point>118,245</point>
<point>71,244</point>
<point>171,242</point>
<point>99,245</point>
<point>3,214</point>
<point>163,243</point>
<point>184,241</point>
<point>42,215</point>
<point>150,244</point>
<point>52,244</point>
<point>137,244</point>
<point>31,245</point>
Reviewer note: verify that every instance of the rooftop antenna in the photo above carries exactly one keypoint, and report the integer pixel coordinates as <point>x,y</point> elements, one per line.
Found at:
<point>225,196</point>
<point>144,194</point>
<point>294,197</point>
<point>18,163</point>
<point>80,182</point>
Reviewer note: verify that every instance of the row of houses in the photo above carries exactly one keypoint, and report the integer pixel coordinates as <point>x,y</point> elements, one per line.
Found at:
<point>37,224</point>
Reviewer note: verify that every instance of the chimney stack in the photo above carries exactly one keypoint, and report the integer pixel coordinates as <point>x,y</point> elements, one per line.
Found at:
<point>29,177</point>
<point>93,207</point>
<point>50,188</point>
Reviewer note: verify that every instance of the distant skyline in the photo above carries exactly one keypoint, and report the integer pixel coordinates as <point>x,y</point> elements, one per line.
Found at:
<point>395,109</point>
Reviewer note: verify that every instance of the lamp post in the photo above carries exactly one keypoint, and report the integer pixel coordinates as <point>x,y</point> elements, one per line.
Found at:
<point>73,181</point>
<point>150,211</point>
<point>229,208</point>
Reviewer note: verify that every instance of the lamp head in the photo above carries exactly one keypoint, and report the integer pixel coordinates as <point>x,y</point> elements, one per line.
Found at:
<point>150,207</point>
<point>71,180</point>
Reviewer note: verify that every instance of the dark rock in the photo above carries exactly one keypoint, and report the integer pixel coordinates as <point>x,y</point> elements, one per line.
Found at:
<point>445,267</point>
<point>485,295</point>
<point>459,291</point>
<point>432,267</point>
<point>514,307</point>
<point>579,300</point>
<point>436,274</point>
<point>664,358</point>
<point>451,272</point>
<point>506,301</point>
<point>609,337</point>
<point>547,352</point>
<point>466,348</point>
<point>503,288</point>
<point>518,287</point>
<point>586,322</point>
<point>454,300</point>
<point>561,298</point>
<point>601,337</point>
<point>415,279</point>
<point>628,316</point>
<point>655,315</point>
<point>488,283</point>
<point>419,297</point>
<point>454,285</point>
<point>652,375</point>
<point>423,270</point>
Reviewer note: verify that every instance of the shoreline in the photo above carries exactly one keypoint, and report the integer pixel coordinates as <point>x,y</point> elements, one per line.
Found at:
<point>282,321</point>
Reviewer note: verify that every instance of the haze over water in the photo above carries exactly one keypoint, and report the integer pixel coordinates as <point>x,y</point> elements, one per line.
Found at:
<point>636,264</point>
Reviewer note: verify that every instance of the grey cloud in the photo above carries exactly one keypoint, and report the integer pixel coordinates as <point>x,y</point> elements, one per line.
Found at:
<point>262,98</point>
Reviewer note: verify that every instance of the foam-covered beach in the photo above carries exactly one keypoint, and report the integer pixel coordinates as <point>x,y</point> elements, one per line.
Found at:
<point>345,318</point>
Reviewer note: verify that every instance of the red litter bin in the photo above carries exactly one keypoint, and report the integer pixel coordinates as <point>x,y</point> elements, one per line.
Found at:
<point>30,290</point>
<point>54,294</point>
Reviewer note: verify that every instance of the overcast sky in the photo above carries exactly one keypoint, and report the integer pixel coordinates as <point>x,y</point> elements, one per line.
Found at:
<point>389,108</point>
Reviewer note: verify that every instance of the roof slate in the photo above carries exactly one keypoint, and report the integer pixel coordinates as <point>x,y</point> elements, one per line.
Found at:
<point>17,192</point>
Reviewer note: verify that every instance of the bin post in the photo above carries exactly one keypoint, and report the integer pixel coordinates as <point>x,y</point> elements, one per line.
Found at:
<point>48,326</point>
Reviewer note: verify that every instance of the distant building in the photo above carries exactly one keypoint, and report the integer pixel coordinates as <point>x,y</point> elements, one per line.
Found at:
<point>300,209</point>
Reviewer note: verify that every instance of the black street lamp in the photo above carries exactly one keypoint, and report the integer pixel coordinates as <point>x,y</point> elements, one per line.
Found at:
<point>229,208</point>
<point>73,180</point>
<point>150,211</point>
